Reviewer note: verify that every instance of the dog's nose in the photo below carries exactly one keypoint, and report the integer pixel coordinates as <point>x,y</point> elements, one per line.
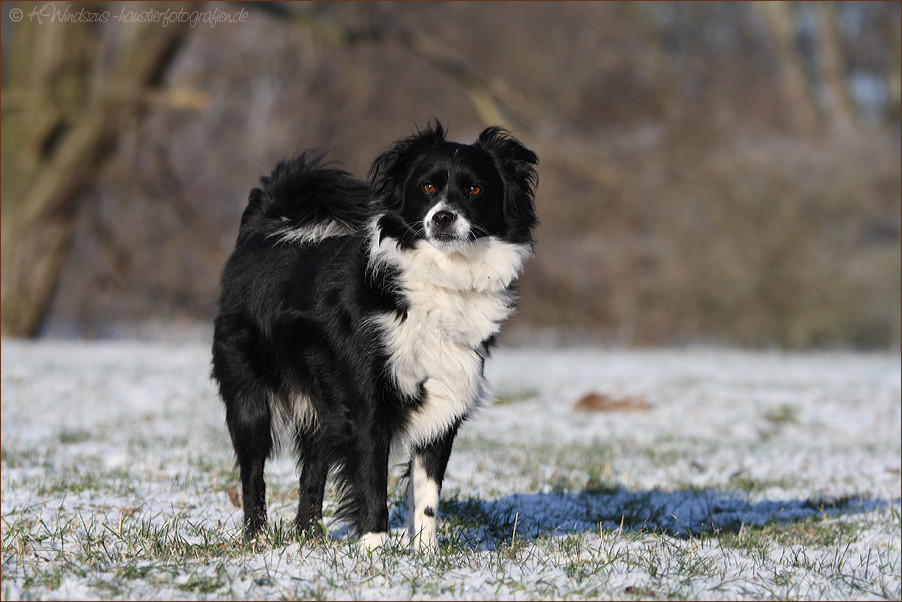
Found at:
<point>443,219</point>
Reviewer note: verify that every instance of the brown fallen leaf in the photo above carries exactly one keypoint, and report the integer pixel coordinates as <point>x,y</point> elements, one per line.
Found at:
<point>601,402</point>
<point>234,496</point>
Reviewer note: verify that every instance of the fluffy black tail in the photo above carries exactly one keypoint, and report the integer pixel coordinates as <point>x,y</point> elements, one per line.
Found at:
<point>303,201</point>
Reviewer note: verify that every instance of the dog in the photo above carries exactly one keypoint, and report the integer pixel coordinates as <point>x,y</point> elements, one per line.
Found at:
<point>358,316</point>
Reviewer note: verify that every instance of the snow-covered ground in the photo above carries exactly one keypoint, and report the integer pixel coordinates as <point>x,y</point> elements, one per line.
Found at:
<point>100,436</point>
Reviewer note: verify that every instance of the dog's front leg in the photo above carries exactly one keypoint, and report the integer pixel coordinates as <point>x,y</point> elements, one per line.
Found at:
<point>427,470</point>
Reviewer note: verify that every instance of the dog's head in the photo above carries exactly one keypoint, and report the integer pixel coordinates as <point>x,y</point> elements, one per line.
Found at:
<point>453,195</point>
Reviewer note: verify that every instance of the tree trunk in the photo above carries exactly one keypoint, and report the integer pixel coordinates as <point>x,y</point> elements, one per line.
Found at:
<point>57,132</point>
<point>841,110</point>
<point>801,109</point>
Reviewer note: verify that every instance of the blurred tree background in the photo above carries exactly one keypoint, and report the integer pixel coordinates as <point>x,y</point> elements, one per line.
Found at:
<point>723,173</point>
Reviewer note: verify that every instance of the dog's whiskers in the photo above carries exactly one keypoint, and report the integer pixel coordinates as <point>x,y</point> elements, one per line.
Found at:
<point>476,228</point>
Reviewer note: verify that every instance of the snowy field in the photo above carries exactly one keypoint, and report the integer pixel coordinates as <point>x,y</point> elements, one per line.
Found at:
<point>701,474</point>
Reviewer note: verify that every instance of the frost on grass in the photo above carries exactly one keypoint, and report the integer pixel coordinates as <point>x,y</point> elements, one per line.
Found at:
<point>760,475</point>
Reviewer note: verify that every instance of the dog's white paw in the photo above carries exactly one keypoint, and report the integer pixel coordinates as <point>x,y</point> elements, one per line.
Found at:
<point>424,541</point>
<point>369,542</point>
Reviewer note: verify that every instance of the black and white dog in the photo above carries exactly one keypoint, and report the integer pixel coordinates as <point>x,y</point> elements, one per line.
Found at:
<point>359,316</point>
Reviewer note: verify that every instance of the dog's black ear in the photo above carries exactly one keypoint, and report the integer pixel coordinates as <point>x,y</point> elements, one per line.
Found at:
<point>389,172</point>
<point>516,163</point>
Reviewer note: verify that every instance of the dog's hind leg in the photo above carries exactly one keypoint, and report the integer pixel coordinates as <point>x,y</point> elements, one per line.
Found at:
<point>427,470</point>
<point>314,470</point>
<point>250,426</point>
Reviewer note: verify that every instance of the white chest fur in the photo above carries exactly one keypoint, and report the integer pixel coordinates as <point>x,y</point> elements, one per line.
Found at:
<point>455,302</point>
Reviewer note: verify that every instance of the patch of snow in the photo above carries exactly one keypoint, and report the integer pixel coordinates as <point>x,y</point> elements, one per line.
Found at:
<point>98,435</point>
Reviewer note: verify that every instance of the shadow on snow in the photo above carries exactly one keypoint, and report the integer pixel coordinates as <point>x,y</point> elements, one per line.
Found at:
<point>682,513</point>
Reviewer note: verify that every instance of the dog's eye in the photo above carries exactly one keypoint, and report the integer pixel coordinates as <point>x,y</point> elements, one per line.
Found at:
<point>474,190</point>
<point>428,188</point>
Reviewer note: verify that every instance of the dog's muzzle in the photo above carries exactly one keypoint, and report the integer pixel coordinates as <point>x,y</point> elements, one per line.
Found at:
<point>446,228</point>
<point>443,222</point>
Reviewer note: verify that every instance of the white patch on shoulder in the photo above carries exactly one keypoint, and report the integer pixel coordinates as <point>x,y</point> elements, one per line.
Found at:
<point>457,300</point>
<point>311,233</point>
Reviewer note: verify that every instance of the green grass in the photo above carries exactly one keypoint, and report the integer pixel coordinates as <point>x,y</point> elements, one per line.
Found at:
<point>504,398</point>
<point>125,550</point>
<point>200,560</point>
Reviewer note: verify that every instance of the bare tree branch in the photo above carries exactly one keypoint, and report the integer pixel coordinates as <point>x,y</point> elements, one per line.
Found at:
<point>494,104</point>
